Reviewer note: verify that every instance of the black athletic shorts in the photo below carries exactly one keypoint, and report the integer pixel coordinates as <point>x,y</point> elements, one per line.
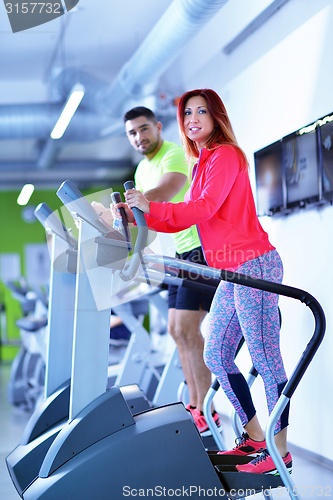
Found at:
<point>183,297</point>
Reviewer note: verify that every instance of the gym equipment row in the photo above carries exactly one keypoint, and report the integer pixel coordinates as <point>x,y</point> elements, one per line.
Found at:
<point>103,450</point>
<point>26,459</point>
<point>27,373</point>
<point>135,364</point>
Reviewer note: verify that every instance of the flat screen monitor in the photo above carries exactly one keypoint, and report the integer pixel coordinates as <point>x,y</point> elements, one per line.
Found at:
<point>269,179</point>
<point>300,160</point>
<point>326,144</point>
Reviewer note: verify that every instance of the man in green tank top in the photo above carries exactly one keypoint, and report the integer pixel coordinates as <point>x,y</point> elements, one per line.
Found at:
<point>162,175</point>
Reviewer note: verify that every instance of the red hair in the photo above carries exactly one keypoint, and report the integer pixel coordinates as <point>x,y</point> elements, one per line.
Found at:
<point>222,133</point>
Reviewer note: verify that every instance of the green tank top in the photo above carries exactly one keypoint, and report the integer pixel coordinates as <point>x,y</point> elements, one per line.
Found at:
<point>170,158</point>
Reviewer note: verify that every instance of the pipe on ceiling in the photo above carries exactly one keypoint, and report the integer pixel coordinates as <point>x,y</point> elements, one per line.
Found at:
<point>106,102</point>
<point>36,121</point>
<point>180,22</point>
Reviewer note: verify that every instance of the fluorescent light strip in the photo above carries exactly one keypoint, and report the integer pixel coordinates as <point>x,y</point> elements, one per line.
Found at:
<point>320,123</point>
<point>25,194</point>
<point>253,26</point>
<point>70,107</point>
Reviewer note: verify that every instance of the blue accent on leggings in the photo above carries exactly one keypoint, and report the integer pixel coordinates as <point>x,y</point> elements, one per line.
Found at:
<point>242,391</point>
<point>285,414</point>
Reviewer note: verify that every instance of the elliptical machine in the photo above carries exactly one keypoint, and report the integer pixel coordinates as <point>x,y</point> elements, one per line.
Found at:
<point>103,451</point>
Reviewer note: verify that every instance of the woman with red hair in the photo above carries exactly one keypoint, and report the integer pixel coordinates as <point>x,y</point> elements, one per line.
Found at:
<point>220,202</point>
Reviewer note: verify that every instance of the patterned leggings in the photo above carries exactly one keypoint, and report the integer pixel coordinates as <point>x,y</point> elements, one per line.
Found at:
<point>238,311</point>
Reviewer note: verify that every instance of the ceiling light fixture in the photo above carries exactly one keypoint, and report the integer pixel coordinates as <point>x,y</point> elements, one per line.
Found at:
<point>70,107</point>
<point>25,194</point>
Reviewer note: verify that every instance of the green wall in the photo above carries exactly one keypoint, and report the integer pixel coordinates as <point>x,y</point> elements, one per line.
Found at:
<point>14,234</point>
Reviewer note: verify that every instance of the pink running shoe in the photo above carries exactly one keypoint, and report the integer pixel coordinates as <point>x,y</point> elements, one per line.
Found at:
<point>201,422</point>
<point>246,446</point>
<point>190,408</point>
<point>263,464</point>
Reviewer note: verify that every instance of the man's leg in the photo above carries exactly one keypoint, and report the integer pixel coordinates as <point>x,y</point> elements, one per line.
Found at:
<point>188,324</point>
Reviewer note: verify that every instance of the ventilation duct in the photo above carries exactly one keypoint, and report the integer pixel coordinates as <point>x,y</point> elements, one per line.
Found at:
<point>29,121</point>
<point>181,21</point>
<point>103,104</point>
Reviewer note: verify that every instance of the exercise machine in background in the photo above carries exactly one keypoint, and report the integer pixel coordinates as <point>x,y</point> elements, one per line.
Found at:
<point>103,449</point>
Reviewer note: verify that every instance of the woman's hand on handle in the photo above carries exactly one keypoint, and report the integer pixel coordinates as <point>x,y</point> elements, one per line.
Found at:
<point>128,211</point>
<point>114,212</point>
<point>136,199</point>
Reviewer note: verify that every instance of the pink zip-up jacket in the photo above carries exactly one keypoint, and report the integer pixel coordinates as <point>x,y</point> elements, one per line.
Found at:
<point>220,202</point>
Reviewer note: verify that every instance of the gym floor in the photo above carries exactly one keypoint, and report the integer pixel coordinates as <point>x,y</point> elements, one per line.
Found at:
<point>312,479</point>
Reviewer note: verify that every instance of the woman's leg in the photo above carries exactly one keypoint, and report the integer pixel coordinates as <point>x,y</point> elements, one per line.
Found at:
<point>259,319</point>
<point>222,339</point>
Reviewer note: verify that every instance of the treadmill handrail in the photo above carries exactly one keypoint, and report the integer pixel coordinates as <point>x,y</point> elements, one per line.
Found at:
<point>269,286</point>
<point>130,269</point>
<point>303,363</point>
<point>116,198</point>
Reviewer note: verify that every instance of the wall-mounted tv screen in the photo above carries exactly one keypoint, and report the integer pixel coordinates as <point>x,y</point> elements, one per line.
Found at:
<point>326,144</point>
<point>296,171</point>
<point>269,179</point>
<point>300,160</point>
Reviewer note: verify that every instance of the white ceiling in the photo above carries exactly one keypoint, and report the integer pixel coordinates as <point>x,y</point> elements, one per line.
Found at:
<point>98,37</point>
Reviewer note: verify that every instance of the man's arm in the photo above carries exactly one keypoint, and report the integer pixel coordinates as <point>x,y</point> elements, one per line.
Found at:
<point>167,187</point>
